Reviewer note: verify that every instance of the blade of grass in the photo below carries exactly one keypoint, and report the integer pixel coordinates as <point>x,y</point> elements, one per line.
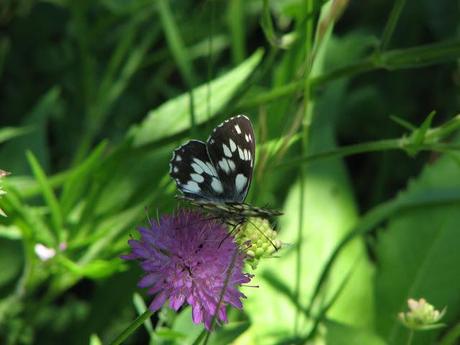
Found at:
<point>236,23</point>
<point>131,328</point>
<point>392,21</point>
<point>77,178</point>
<point>8,133</point>
<point>48,194</point>
<point>176,43</point>
<point>32,225</point>
<point>108,94</point>
<point>141,308</point>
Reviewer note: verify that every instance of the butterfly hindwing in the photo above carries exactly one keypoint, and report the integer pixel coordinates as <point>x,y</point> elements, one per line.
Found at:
<point>194,173</point>
<point>231,148</point>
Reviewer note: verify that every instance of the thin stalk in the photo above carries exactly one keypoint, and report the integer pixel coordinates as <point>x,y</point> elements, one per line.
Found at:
<point>391,60</point>
<point>373,146</point>
<point>391,23</point>
<point>132,327</point>
<point>222,293</point>
<point>410,337</point>
<point>305,138</point>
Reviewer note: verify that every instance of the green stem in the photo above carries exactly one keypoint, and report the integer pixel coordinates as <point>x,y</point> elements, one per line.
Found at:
<point>222,293</point>
<point>410,337</point>
<point>307,117</point>
<point>132,327</point>
<point>373,146</point>
<point>391,23</point>
<point>415,57</point>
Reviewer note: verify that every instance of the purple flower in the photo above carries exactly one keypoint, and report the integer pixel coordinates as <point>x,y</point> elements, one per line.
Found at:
<point>189,259</point>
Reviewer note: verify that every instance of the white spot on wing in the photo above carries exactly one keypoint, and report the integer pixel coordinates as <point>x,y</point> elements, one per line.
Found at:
<point>241,153</point>
<point>197,168</point>
<point>224,165</point>
<point>178,158</point>
<point>191,187</point>
<point>238,129</point>
<point>227,151</point>
<point>196,177</point>
<point>232,145</point>
<point>231,164</point>
<point>206,167</point>
<point>211,168</point>
<point>240,182</point>
<point>217,185</point>
<point>175,169</point>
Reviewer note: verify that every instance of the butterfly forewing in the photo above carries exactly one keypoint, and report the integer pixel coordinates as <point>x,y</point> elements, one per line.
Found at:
<point>231,148</point>
<point>194,172</point>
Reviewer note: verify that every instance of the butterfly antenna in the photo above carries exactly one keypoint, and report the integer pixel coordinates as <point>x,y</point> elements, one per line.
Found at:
<point>231,232</point>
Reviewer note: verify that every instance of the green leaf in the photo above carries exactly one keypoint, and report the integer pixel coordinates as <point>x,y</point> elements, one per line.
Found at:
<point>48,194</point>
<point>96,269</point>
<point>183,325</point>
<point>342,334</point>
<point>329,213</point>
<point>173,116</point>
<point>420,56</point>
<point>95,340</point>
<point>79,177</point>
<point>418,254</point>
<point>237,25</point>
<point>141,308</point>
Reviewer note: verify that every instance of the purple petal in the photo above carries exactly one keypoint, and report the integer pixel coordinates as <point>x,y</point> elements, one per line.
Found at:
<point>158,302</point>
<point>148,280</point>
<point>176,302</point>
<point>197,313</point>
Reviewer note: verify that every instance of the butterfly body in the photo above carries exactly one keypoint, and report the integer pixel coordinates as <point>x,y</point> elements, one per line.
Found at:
<point>215,175</point>
<point>231,211</point>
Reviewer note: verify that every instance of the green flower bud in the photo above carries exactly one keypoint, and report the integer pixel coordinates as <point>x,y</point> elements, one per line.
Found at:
<point>258,240</point>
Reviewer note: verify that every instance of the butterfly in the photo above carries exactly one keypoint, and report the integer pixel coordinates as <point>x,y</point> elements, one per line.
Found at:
<point>216,175</point>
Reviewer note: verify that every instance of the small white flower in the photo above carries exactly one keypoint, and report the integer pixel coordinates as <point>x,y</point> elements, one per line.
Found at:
<point>421,315</point>
<point>43,252</point>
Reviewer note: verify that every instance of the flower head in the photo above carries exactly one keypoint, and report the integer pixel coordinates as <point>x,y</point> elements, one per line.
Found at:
<point>421,315</point>
<point>190,259</point>
<point>258,239</point>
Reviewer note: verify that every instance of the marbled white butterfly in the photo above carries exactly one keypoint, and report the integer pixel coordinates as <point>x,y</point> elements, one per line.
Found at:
<point>216,175</point>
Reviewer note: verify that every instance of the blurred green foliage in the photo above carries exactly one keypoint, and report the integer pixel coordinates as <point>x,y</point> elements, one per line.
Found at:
<point>94,95</point>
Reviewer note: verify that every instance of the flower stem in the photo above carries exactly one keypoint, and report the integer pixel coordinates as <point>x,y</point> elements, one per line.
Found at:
<point>132,327</point>
<point>410,337</point>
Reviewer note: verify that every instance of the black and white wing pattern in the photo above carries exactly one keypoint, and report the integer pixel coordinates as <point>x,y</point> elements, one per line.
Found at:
<point>194,173</point>
<point>231,148</point>
<point>220,170</point>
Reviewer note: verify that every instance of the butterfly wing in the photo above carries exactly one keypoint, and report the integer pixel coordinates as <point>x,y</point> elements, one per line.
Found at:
<point>231,148</point>
<point>194,173</point>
